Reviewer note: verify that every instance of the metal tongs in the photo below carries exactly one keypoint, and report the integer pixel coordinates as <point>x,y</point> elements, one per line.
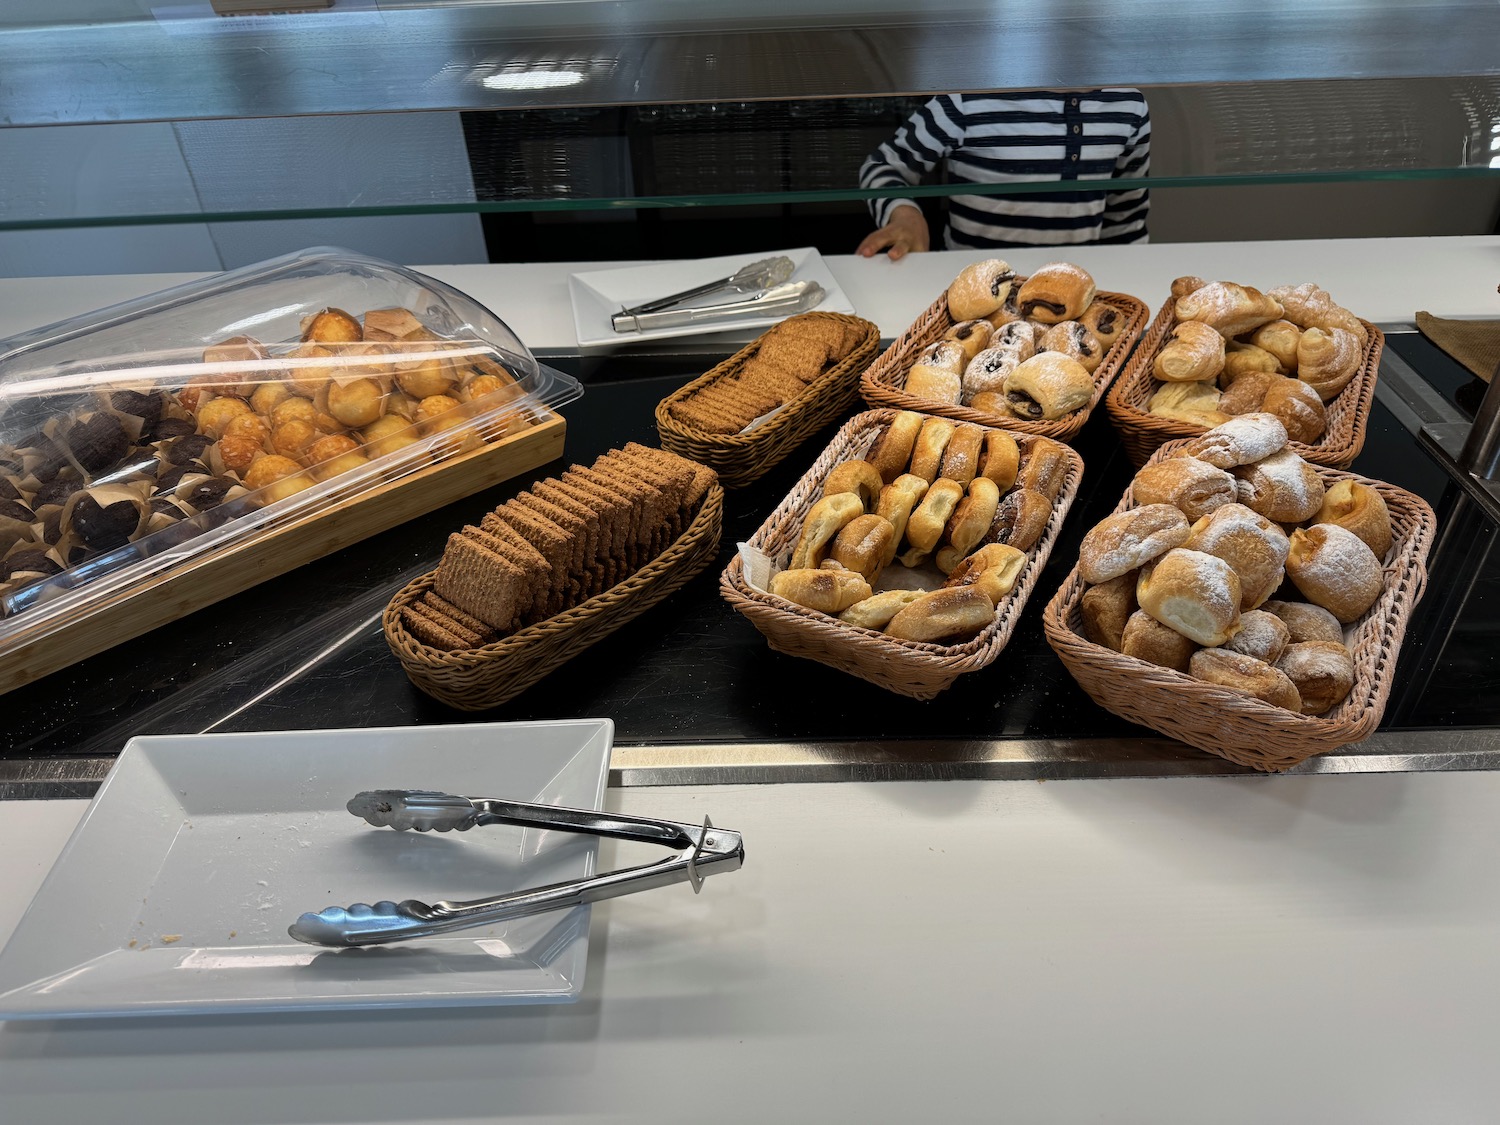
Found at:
<point>766,280</point>
<point>708,850</point>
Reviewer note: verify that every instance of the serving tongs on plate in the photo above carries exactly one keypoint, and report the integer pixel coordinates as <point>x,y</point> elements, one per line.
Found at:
<point>703,850</point>
<point>767,281</point>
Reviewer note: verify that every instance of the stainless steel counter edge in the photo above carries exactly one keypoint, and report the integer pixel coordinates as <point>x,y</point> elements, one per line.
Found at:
<point>1019,759</point>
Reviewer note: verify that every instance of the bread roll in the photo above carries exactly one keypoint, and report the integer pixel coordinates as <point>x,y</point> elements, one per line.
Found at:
<point>1335,569</point>
<point>1048,386</point>
<point>1021,520</point>
<point>1195,403</point>
<point>1280,339</point>
<point>825,520</point>
<point>949,614</point>
<point>1046,467</point>
<point>1229,309</point>
<point>1262,635</point>
<point>1239,441</point>
<point>935,384</point>
<point>1323,672</point>
<point>895,505</point>
<point>1075,341</point>
<point>1107,607</point>
<point>1251,544</point>
<point>859,478</point>
<point>1282,487</point>
<point>993,570</point>
<point>1146,638</point>
<point>1057,292</point>
<point>980,289</point>
<point>1360,509</point>
<point>973,336</point>
<point>1105,321</point>
<point>828,590</point>
<point>861,545</point>
<point>876,611</point>
<point>1194,593</point>
<point>1298,406</point>
<point>961,457</point>
<point>1306,622</point>
<point>1327,361</point>
<point>1130,539</point>
<point>1245,674</point>
<point>925,527</point>
<point>999,458</point>
<point>1194,354</point>
<point>971,520</point>
<point>1193,487</point>
<point>891,453</point>
<point>932,443</point>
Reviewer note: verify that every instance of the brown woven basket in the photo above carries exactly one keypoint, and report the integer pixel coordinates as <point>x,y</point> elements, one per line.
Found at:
<point>1237,726</point>
<point>1141,432</point>
<point>742,458</point>
<point>884,384</point>
<point>474,679</point>
<point>910,668</point>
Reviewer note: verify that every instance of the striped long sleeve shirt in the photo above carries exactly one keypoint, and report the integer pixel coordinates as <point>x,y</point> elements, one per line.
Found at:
<point>1025,137</point>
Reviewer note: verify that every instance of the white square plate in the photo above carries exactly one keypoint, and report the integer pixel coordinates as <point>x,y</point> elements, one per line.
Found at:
<point>597,296</point>
<point>175,892</point>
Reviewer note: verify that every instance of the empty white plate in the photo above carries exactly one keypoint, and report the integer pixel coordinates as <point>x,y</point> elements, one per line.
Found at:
<point>175,892</point>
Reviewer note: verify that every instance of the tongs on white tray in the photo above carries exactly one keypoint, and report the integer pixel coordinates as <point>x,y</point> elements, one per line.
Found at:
<point>767,282</point>
<point>705,850</point>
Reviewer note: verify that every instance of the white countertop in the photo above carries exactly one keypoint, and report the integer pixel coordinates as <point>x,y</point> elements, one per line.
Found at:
<point>1196,950</point>
<point>1385,280</point>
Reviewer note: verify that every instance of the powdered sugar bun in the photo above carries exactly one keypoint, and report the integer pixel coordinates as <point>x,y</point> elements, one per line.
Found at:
<point>980,289</point>
<point>988,370</point>
<point>1282,487</point>
<point>1254,546</point>
<point>1194,487</point>
<point>1243,673</point>
<point>1195,593</point>
<point>1239,441</point>
<point>1129,539</point>
<point>1323,672</point>
<point>1018,335</point>
<point>1306,622</point>
<point>1262,635</point>
<point>947,354</point>
<point>1335,569</point>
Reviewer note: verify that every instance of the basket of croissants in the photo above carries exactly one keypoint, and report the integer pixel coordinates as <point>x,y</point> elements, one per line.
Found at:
<point>1033,354</point>
<point>906,554</point>
<point>1218,349</point>
<point>1244,600</point>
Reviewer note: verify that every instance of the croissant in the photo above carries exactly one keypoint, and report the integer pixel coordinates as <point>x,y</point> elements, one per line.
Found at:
<point>1310,306</point>
<point>1327,361</point>
<point>1280,339</point>
<point>1195,403</point>
<point>1245,359</point>
<point>1229,308</point>
<point>1194,354</point>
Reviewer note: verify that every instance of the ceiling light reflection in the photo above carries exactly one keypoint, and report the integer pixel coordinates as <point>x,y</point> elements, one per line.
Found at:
<point>533,79</point>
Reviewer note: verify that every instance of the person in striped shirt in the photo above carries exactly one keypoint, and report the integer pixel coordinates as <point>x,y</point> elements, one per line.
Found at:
<point>1017,137</point>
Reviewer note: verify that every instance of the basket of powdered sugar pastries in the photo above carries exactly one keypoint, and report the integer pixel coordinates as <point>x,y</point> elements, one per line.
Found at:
<point>1244,600</point>
<point>1218,349</point>
<point>552,571</point>
<point>1033,354</point>
<point>746,414</point>
<point>905,555</point>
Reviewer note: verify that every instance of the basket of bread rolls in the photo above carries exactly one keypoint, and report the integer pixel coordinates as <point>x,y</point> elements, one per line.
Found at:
<point>745,415</point>
<point>1218,350</point>
<point>905,555</point>
<point>1033,354</point>
<point>1244,600</point>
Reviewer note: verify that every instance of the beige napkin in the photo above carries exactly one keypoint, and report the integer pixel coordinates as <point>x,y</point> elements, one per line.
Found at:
<point>1473,343</point>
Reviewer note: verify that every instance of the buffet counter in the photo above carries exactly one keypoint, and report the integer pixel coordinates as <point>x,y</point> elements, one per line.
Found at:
<point>1122,930</point>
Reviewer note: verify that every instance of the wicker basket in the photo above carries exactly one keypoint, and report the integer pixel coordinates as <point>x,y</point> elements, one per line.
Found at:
<point>742,458</point>
<point>1141,432</point>
<point>908,668</point>
<point>474,679</point>
<point>884,384</point>
<point>1236,726</point>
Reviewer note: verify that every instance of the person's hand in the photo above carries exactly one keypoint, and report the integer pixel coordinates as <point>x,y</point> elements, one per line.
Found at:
<point>906,233</point>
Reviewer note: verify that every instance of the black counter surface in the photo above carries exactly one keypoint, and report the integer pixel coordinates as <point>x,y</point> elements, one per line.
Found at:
<point>306,650</point>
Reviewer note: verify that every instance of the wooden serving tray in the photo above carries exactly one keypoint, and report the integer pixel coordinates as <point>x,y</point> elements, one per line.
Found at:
<point>204,581</point>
